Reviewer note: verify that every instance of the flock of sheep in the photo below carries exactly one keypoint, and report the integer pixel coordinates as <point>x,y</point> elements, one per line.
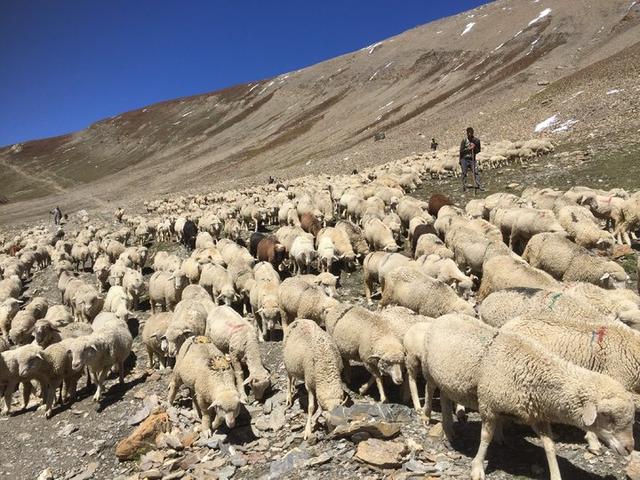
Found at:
<point>509,306</point>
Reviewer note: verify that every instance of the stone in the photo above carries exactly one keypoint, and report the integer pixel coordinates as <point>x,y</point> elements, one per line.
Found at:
<point>633,467</point>
<point>173,441</point>
<point>319,460</point>
<point>143,437</point>
<point>226,472</point>
<point>46,474</point>
<point>380,453</point>
<point>151,459</point>
<point>296,458</point>
<point>87,473</point>
<point>189,461</point>
<point>68,429</point>
<point>238,460</point>
<point>188,439</point>
<point>375,429</point>
<point>139,416</point>
<point>139,395</point>
<point>152,474</point>
<point>417,466</point>
<point>277,418</point>
<point>413,445</point>
<point>360,437</point>
<point>622,251</point>
<point>436,431</point>
<point>388,412</point>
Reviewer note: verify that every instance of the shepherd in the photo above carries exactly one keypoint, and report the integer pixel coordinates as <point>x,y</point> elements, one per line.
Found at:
<point>57,215</point>
<point>469,148</point>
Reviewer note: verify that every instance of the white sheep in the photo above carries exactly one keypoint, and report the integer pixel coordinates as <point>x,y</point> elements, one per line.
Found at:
<point>234,335</point>
<point>298,299</point>
<point>378,264</point>
<point>362,336</point>
<point>311,355</point>
<point>165,289</point>
<point>8,310</point>
<point>155,327</point>
<point>568,262</point>
<point>208,375</point>
<point>302,253</point>
<point>410,287</point>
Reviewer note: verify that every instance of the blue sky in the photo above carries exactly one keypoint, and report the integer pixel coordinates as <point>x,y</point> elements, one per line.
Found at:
<point>66,64</point>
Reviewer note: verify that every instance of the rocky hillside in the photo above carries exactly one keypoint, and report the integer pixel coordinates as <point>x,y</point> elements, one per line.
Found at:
<point>568,69</point>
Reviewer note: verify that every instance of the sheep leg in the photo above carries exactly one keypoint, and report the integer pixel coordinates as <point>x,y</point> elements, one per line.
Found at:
<point>368,284</point>
<point>290,382</point>
<point>174,385</point>
<point>150,354</point>
<point>383,397</point>
<point>26,394</point>
<point>413,388</point>
<point>447,417</point>
<point>8,393</point>
<point>593,444</point>
<point>544,432</point>
<point>486,435</point>
<point>239,374</point>
<point>310,409</point>
<point>121,372</point>
<point>365,388</point>
<point>429,392</point>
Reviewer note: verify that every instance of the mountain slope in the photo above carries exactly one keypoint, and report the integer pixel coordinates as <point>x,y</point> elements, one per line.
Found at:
<point>488,67</point>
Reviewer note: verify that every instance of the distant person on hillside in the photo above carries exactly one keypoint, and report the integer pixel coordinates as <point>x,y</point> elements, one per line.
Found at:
<point>434,144</point>
<point>469,148</point>
<point>57,215</point>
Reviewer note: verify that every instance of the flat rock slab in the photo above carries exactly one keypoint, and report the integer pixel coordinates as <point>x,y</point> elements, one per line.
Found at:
<point>380,453</point>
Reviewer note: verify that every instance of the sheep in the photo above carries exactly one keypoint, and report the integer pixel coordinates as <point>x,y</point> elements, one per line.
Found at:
<point>376,265</point>
<point>10,287</point>
<point>430,244</point>
<point>4,344</point>
<point>113,249</point>
<point>302,253</point>
<point>582,228</point>
<point>626,217</point>
<point>10,376</point>
<point>197,292</point>
<point>101,268</point>
<point>446,270</point>
<point>155,327</point>
<point>413,342</point>
<point>311,355</point>
<point>108,346</point>
<point>264,272</point>
<point>325,280</point>
<point>204,239</point>
<point>356,238</point>
<point>520,379</point>
<point>231,253</point>
<point>342,245</point>
<point>80,255</point>
<point>621,303</point>
<point>326,254</point>
<point>8,310</point>
<point>217,281</point>
<point>270,250</point>
<point>504,305</point>
<point>393,222</point>
<point>529,222</point>
<point>59,315</point>
<point>298,299</point>
<point>165,289</point>
<point>192,269</point>
<point>164,262</point>
<point>242,275</point>
<point>208,375</point>
<point>504,271</point>
<point>46,333</point>
<point>436,202</point>
<point>379,236</point>
<point>117,302</point>
<point>38,306</point>
<point>133,285</point>
<point>234,335</point>
<point>409,287</point>
<point>310,224</point>
<point>568,262</point>
<point>265,307</point>
<point>363,336</point>
<point>116,273</point>
<point>189,319</point>
<point>22,327</point>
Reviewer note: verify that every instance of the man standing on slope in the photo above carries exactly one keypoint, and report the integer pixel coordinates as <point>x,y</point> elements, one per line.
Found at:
<point>469,148</point>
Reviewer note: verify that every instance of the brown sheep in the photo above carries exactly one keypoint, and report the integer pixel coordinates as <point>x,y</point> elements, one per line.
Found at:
<point>310,223</point>
<point>436,202</point>
<point>271,250</point>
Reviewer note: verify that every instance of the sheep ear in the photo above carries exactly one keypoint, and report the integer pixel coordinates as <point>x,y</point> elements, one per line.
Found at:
<point>213,405</point>
<point>375,357</point>
<point>93,347</point>
<point>605,276</point>
<point>40,355</point>
<point>589,414</point>
<point>247,381</point>
<point>153,335</point>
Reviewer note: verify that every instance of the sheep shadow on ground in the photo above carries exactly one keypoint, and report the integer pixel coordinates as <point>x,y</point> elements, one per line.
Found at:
<point>518,456</point>
<point>117,391</point>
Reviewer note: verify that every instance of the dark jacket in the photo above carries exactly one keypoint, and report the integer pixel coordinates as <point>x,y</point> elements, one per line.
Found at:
<point>466,152</point>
